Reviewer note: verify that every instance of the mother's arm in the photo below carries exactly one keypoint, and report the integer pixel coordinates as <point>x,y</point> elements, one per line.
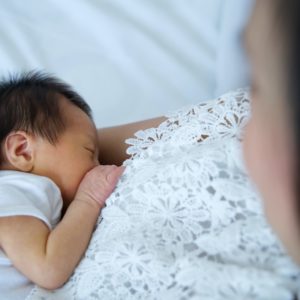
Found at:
<point>112,140</point>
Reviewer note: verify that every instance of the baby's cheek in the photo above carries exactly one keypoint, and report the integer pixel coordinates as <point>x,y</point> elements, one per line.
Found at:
<point>70,188</point>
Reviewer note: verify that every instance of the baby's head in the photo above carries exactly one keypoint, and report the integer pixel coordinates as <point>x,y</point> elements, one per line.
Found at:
<point>46,129</point>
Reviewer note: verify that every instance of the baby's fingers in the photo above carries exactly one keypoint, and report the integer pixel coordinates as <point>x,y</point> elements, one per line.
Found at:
<point>115,174</point>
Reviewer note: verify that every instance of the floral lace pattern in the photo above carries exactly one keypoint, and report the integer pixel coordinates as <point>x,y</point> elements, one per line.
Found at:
<point>185,222</point>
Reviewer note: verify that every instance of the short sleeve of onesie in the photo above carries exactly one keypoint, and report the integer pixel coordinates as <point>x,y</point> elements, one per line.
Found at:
<point>30,195</point>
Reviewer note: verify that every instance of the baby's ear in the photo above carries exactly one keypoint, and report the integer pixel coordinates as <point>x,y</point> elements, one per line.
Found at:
<point>19,150</point>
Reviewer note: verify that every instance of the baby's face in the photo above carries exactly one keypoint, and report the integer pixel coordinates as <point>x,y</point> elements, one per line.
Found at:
<point>75,153</point>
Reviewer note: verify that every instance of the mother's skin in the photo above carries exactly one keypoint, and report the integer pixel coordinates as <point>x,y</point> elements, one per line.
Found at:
<point>269,144</point>
<point>269,141</point>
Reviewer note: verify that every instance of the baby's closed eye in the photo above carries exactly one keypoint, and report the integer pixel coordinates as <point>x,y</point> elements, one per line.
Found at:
<point>90,149</point>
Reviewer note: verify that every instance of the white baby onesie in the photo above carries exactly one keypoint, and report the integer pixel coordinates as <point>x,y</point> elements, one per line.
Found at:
<point>28,195</point>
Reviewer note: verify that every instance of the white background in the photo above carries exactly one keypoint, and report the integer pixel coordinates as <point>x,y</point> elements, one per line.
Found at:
<point>130,59</point>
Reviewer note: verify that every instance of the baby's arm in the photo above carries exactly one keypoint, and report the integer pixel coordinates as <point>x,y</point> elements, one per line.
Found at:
<point>46,257</point>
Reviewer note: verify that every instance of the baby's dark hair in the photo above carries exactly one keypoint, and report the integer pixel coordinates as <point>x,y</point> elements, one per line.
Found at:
<point>30,102</point>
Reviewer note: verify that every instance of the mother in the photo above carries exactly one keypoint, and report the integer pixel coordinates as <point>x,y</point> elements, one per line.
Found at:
<point>208,239</point>
<point>272,141</point>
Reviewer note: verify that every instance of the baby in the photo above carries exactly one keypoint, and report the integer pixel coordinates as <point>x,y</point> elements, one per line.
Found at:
<point>48,168</point>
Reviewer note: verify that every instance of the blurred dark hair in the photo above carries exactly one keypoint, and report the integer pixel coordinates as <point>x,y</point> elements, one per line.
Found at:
<point>30,102</point>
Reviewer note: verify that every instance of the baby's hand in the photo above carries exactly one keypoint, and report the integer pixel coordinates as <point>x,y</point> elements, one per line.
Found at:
<point>98,184</point>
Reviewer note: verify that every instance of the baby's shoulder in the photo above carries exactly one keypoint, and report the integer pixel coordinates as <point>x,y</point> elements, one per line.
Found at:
<point>28,194</point>
<point>16,180</point>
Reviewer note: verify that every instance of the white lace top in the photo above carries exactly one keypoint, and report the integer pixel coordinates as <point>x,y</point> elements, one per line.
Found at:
<point>185,222</point>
